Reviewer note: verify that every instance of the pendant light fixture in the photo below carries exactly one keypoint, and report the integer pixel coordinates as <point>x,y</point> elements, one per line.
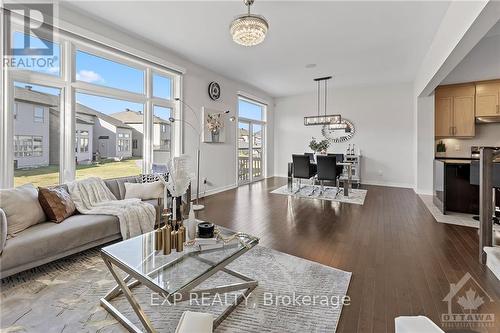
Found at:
<point>249,29</point>
<point>322,119</point>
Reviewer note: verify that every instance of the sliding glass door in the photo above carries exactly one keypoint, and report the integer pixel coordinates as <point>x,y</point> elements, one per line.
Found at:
<point>251,129</point>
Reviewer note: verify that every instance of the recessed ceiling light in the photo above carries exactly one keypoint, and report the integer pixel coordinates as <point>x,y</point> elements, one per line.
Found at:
<point>310,65</point>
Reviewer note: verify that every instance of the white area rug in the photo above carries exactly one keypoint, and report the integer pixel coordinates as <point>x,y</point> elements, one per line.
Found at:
<point>462,219</point>
<point>356,196</point>
<point>63,296</point>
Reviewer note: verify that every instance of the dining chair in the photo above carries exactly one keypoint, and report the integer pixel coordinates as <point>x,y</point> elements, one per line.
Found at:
<point>339,158</point>
<point>302,169</point>
<point>327,170</point>
<point>311,157</point>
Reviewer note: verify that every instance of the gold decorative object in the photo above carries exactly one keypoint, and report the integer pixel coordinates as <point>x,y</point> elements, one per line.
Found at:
<point>158,239</point>
<point>180,242</point>
<point>173,240</point>
<point>167,243</point>
<point>183,230</point>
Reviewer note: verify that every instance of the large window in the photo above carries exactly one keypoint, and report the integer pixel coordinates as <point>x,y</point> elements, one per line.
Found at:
<point>116,123</point>
<point>116,128</point>
<point>97,70</point>
<point>36,134</point>
<point>161,134</point>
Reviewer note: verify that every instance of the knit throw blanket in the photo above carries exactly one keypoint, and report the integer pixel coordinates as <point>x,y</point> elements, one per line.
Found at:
<point>91,196</point>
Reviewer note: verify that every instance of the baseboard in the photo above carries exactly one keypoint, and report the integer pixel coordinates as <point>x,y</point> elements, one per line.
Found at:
<point>387,184</point>
<point>424,192</point>
<point>218,190</point>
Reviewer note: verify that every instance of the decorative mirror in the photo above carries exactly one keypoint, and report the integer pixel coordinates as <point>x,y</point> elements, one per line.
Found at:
<point>339,132</point>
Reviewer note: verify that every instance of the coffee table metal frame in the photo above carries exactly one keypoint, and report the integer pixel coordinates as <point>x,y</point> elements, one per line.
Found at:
<point>125,286</point>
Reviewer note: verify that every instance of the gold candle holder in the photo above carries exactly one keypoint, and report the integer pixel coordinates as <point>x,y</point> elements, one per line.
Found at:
<point>158,239</point>
<point>167,246</point>
<point>173,240</point>
<point>181,228</point>
<point>180,242</point>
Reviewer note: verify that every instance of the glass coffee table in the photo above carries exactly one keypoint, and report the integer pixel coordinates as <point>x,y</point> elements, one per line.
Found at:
<point>173,276</point>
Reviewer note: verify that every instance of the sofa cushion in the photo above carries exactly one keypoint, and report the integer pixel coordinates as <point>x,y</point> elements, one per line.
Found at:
<point>56,203</point>
<point>48,239</point>
<point>21,208</point>
<point>144,191</point>
<point>116,185</point>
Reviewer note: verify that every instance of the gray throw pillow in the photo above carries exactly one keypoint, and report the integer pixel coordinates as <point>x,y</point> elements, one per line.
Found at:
<point>21,208</point>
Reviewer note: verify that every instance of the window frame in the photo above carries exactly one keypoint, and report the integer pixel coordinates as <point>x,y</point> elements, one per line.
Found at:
<point>68,85</point>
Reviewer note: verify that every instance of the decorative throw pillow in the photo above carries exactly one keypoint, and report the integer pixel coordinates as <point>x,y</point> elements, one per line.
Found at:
<point>144,191</point>
<point>21,208</point>
<point>56,203</point>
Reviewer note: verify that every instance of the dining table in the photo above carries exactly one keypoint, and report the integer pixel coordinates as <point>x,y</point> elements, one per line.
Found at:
<point>347,180</point>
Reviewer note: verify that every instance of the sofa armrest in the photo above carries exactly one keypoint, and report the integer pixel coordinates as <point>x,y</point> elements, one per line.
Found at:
<point>3,229</point>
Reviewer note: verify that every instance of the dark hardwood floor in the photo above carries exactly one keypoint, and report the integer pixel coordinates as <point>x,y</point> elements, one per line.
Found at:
<point>402,260</point>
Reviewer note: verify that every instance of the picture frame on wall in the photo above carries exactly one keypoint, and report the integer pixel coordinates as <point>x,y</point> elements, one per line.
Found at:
<point>214,126</point>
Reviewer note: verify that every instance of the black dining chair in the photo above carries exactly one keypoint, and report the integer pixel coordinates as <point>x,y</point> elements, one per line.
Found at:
<point>311,157</point>
<point>327,170</point>
<point>340,159</point>
<point>302,168</point>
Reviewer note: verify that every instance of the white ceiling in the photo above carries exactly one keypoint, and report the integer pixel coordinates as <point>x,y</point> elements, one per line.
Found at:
<point>360,43</point>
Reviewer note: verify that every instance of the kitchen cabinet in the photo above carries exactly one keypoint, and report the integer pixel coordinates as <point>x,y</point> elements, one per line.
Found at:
<point>454,111</point>
<point>488,99</point>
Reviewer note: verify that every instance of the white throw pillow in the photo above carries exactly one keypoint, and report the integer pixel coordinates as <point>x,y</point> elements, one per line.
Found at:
<point>21,208</point>
<point>144,191</point>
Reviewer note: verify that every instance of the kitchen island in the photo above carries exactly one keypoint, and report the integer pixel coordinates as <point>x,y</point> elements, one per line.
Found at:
<point>453,190</point>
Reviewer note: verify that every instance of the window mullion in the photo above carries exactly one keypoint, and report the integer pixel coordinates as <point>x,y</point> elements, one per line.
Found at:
<point>68,116</point>
<point>148,124</point>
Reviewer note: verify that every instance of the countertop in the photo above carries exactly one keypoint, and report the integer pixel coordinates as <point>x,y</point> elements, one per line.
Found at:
<point>454,161</point>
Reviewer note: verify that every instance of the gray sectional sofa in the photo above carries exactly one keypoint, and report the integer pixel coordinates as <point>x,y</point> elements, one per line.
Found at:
<point>48,241</point>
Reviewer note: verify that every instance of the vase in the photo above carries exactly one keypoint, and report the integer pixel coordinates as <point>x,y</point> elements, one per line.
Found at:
<point>215,136</point>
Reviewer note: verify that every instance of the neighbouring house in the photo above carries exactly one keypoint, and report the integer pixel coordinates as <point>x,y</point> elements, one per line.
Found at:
<point>161,134</point>
<point>37,135</point>
<point>31,128</point>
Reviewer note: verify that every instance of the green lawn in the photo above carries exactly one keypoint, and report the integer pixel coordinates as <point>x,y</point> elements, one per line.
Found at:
<point>49,175</point>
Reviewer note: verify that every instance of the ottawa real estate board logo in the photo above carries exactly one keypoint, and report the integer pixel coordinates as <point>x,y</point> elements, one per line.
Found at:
<point>468,303</point>
<point>29,28</point>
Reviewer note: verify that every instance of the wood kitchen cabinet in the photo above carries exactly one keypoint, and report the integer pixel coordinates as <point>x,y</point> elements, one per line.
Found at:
<point>454,110</point>
<point>488,98</point>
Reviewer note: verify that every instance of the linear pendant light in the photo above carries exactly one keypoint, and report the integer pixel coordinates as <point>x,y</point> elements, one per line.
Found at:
<point>322,119</point>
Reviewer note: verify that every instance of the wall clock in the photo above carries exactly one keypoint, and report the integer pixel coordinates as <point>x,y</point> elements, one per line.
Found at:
<point>214,90</point>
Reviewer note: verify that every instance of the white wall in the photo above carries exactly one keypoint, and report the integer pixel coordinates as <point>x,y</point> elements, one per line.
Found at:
<point>482,63</point>
<point>218,160</point>
<point>425,144</point>
<point>383,117</point>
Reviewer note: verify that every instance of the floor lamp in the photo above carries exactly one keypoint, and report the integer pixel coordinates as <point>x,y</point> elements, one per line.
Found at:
<point>197,206</point>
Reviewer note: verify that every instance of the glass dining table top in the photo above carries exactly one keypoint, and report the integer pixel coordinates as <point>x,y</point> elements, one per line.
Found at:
<point>176,270</point>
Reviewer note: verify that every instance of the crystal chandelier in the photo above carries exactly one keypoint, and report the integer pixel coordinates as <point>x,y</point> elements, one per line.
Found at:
<point>249,29</point>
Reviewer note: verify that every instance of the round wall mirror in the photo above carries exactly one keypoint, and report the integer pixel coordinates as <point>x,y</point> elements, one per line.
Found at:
<point>339,132</point>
